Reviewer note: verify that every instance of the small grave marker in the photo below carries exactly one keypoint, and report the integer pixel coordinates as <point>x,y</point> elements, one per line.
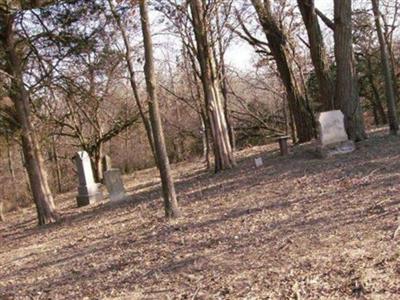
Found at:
<point>258,162</point>
<point>114,184</point>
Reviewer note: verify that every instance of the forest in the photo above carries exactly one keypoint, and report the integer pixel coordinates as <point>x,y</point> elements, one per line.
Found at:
<point>209,121</point>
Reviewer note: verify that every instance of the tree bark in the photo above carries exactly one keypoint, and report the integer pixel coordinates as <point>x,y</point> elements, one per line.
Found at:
<point>377,102</point>
<point>196,96</point>
<point>277,41</point>
<point>319,55</point>
<point>10,160</point>
<point>389,30</point>
<point>34,163</point>
<point>223,153</point>
<point>97,163</point>
<point>224,82</point>
<point>57,165</point>
<point>386,69</point>
<point>2,218</point>
<point>393,64</point>
<point>346,80</point>
<point>375,114</point>
<point>170,201</point>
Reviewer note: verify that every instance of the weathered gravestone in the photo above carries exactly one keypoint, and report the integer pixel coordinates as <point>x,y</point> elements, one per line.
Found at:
<point>333,138</point>
<point>114,184</point>
<point>88,190</point>
<point>258,162</point>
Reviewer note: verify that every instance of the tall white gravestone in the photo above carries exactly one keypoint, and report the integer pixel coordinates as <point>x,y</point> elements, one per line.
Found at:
<point>333,138</point>
<point>88,190</point>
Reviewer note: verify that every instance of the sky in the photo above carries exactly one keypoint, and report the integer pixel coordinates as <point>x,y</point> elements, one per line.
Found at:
<point>241,55</point>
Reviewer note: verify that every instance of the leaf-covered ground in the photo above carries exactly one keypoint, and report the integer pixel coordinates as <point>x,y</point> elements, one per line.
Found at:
<point>297,228</point>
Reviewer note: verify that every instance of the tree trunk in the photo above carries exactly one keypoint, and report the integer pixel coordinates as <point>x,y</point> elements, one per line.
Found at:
<point>375,114</point>
<point>179,142</point>
<point>2,218</point>
<point>12,174</point>
<point>393,64</point>
<point>96,156</point>
<point>10,160</point>
<point>56,162</point>
<point>388,38</point>
<point>347,82</point>
<point>26,175</point>
<point>303,118</point>
<point>389,92</point>
<point>197,97</point>
<point>33,158</point>
<point>318,55</point>
<point>223,153</point>
<point>376,97</point>
<point>205,140</point>
<point>132,77</point>
<point>170,202</point>
<point>224,90</point>
<point>222,76</point>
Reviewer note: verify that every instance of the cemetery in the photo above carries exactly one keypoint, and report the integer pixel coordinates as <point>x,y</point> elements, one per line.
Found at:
<point>219,149</point>
<point>327,232</point>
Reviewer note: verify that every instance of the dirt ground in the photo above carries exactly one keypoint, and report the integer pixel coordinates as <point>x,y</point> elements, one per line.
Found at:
<point>297,228</point>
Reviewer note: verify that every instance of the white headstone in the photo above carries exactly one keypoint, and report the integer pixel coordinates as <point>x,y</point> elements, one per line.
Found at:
<point>258,162</point>
<point>332,134</point>
<point>88,190</point>
<point>114,184</point>
<point>332,128</point>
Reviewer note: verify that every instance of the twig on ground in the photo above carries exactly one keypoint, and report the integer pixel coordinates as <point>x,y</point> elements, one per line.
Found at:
<point>195,293</point>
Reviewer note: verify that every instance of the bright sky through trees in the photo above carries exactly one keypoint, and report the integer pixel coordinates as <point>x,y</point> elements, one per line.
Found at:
<point>240,55</point>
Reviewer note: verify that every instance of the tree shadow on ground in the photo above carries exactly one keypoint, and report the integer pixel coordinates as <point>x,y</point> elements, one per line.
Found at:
<point>269,238</point>
<point>201,184</point>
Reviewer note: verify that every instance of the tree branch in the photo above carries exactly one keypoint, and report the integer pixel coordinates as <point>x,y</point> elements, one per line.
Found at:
<point>325,19</point>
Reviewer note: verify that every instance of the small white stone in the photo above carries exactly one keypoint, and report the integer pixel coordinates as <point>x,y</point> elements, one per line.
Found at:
<point>258,162</point>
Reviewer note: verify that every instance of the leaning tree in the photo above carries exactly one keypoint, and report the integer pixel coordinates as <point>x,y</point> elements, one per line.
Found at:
<point>11,16</point>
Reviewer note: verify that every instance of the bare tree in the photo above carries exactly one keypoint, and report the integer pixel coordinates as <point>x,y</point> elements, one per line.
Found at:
<point>318,54</point>
<point>20,96</point>
<point>386,70</point>
<point>170,202</point>
<point>183,27</point>
<point>377,106</point>
<point>278,44</point>
<point>347,93</point>
<point>132,74</point>
<point>390,19</point>
<point>223,40</point>
<point>223,153</point>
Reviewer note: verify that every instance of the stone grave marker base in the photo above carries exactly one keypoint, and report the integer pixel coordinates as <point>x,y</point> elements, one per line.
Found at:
<point>85,198</point>
<point>336,149</point>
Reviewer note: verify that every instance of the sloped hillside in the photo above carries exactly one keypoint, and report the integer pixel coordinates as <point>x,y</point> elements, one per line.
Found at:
<point>297,228</point>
